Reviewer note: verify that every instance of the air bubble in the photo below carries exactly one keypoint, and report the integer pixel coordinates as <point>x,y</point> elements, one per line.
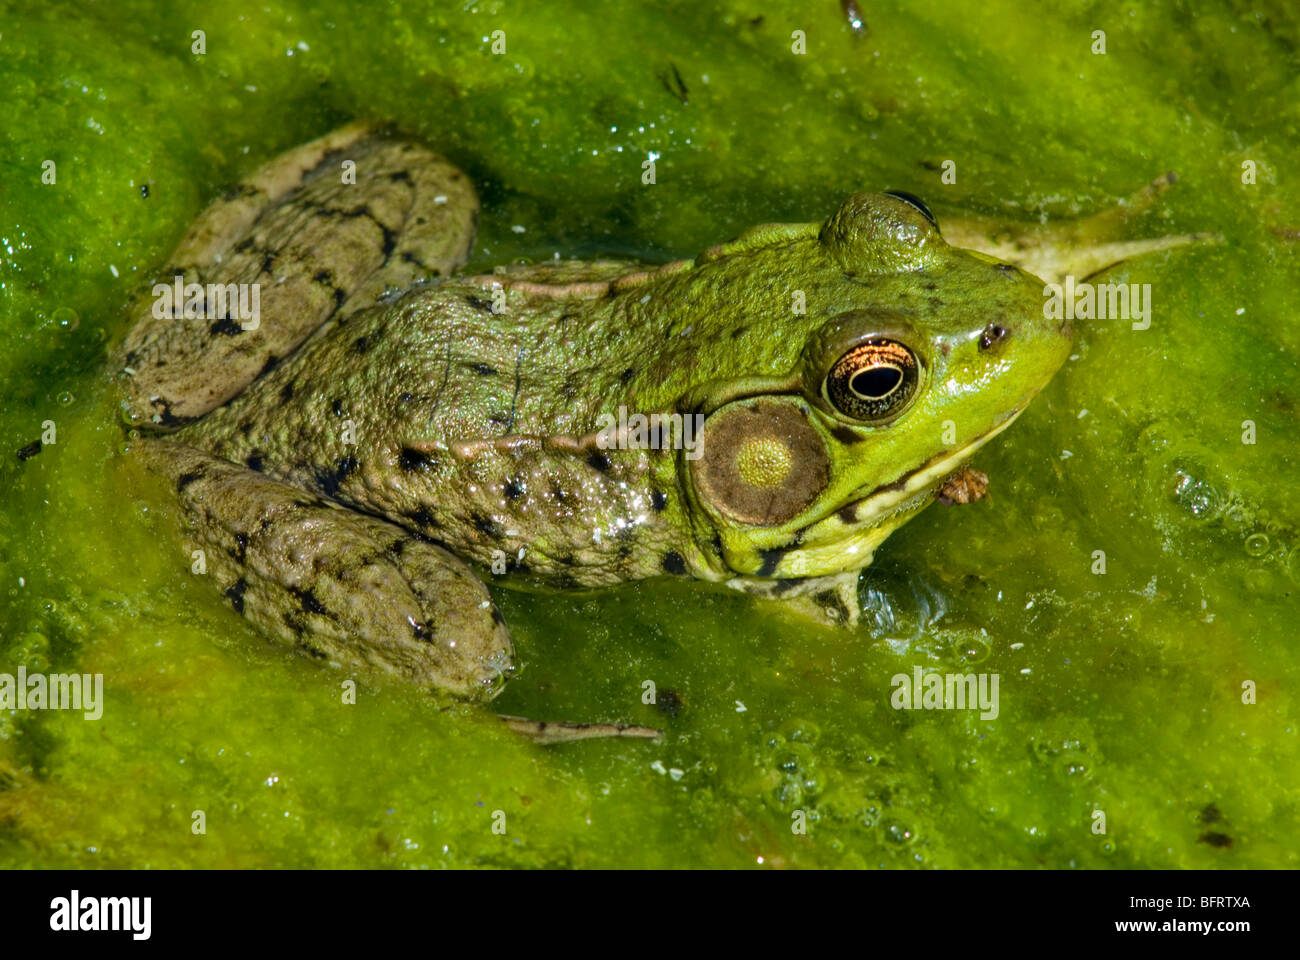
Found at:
<point>1256,545</point>
<point>898,834</point>
<point>66,319</point>
<point>1198,497</point>
<point>65,399</point>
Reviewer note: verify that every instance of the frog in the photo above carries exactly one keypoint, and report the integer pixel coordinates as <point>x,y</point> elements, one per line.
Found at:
<point>388,433</point>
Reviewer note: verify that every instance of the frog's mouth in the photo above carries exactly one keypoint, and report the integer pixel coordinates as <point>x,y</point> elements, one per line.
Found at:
<point>847,538</point>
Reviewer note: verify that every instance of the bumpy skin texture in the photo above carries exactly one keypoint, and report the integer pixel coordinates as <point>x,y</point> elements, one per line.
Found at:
<point>460,418</point>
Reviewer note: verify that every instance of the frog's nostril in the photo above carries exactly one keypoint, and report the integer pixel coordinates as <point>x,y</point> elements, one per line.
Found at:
<point>992,334</point>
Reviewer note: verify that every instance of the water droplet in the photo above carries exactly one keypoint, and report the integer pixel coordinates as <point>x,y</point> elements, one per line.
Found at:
<point>65,398</point>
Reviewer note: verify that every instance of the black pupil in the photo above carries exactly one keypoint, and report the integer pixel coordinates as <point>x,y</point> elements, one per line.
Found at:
<point>876,382</point>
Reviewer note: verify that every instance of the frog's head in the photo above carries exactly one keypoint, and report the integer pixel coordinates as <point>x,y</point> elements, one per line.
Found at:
<point>910,354</point>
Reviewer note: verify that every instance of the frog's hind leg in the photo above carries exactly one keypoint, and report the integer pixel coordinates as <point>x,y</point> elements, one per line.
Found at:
<point>1077,248</point>
<point>335,584</point>
<point>315,235</point>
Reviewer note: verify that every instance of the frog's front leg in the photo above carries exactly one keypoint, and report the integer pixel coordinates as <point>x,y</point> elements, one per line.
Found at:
<point>1077,248</point>
<point>831,600</point>
<point>317,234</point>
<point>335,584</point>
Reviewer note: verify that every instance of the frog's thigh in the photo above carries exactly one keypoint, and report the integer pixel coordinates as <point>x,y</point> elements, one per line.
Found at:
<point>317,234</point>
<point>336,584</point>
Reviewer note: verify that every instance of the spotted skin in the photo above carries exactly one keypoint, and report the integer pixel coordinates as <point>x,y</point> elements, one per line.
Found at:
<point>391,430</point>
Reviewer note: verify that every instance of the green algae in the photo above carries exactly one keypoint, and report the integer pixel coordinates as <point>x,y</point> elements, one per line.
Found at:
<point>1122,691</point>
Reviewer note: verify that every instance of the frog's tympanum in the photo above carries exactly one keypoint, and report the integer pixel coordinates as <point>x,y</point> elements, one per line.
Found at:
<point>348,457</point>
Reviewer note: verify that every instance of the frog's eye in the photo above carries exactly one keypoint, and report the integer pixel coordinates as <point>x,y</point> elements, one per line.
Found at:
<point>913,200</point>
<point>874,381</point>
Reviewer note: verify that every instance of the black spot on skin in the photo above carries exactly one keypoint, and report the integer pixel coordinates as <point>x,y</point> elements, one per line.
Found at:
<point>29,451</point>
<point>848,514</point>
<point>1007,268</point>
<point>513,489</point>
<point>598,461</point>
<point>268,262</point>
<point>236,594</point>
<point>243,246</point>
<point>669,701</point>
<point>771,560</point>
<point>406,397</point>
<point>311,651</point>
<point>411,460</point>
<point>559,494</point>
<point>486,526</point>
<point>832,604</point>
<point>359,345</point>
<point>267,524</point>
<point>308,601</point>
<point>931,286</point>
<point>396,547</point>
<point>658,499</point>
<point>1219,840</point>
<point>330,481</point>
<point>292,621</point>
<point>420,631</point>
<point>185,479</point>
<point>337,407</point>
<point>991,335</point>
<point>423,517</point>
<point>324,277</point>
<point>478,303</point>
<point>286,392</point>
<point>483,370</point>
<point>568,560</point>
<point>226,328</point>
<point>626,375</point>
<point>739,332</point>
<point>271,363</point>
<point>845,434</point>
<point>496,616</point>
<point>785,585</point>
<point>674,563</point>
<point>339,296</point>
<point>254,462</point>
<point>400,175</point>
<point>241,546</point>
<point>165,415</point>
<point>1211,814</point>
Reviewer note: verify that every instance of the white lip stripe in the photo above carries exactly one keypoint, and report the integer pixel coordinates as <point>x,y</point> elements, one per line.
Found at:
<point>883,502</point>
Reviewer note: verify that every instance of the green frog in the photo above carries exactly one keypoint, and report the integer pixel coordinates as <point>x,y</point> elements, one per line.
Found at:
<point>351,456</point>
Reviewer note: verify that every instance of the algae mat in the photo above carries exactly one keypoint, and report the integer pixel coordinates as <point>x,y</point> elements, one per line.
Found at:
<point>1160,693</point>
